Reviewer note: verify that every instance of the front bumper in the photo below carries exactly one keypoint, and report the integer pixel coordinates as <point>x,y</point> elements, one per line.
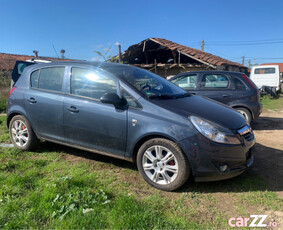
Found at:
<point>207,157</point>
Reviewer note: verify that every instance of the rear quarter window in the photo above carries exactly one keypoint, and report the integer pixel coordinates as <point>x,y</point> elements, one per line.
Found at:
<point>34,79</point>
<point>239,85</point>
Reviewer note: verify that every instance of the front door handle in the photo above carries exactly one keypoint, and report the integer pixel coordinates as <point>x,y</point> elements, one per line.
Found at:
<point>73,109</point>
<point>31,100</point>
<point>225,95</point>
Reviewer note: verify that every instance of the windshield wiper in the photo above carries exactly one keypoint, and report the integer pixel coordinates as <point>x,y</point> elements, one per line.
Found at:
<point>162,96</point>
<point>169,96</point>
<point>183,95</point>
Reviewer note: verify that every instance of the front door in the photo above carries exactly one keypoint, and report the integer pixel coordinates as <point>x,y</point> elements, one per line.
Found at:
<point>87,121</point>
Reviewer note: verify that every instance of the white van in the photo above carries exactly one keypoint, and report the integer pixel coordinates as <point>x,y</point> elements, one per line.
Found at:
<point>267,75</point>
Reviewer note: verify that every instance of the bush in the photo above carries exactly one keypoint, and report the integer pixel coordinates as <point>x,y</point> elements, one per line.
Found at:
<point>5,81</point>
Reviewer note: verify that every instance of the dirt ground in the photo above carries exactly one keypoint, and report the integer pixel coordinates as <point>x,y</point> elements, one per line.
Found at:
<point>268,162</point>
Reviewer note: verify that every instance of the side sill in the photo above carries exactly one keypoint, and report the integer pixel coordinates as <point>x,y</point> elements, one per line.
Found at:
<point>89,150</point>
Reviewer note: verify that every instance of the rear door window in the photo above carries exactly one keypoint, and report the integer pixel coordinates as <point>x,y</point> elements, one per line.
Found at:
<point>48,78</point>
<point>51,78</point>
<point>186,82</point>
<point>214,81</point>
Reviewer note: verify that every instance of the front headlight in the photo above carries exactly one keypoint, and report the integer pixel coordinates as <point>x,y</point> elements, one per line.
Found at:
<point>212,132</point>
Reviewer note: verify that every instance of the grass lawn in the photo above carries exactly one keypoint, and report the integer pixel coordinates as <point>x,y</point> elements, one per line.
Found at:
<point>4,91</point>
<point>58,187</point>
<point>271,103</point>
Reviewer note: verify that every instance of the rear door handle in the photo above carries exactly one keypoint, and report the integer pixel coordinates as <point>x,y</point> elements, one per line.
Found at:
<point>73,109</point>
<point>31,100</point>
<point>225,95</point>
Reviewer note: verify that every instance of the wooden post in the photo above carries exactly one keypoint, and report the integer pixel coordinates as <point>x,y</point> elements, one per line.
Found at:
<point>155,66</point>
<point>202,45</point>
<point>243,61</point>
<point>145,54</point>
<point>120,56</point>
<point>174,56</point>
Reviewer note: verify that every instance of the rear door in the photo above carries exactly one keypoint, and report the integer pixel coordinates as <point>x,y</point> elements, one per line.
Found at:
<point>44,102</point>
<point>87,121</point>
<point>217,86</point>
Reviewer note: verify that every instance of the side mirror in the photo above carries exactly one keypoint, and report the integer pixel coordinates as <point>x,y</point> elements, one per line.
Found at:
<point>114,99</point>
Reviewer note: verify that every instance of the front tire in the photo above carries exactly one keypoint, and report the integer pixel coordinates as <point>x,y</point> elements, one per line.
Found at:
<point>246,114</point>
<point>162,164</point>
<point>21,133</point>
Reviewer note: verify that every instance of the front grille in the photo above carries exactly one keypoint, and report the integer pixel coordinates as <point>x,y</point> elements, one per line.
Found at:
<point>247,133</point>
<point>248,136</point>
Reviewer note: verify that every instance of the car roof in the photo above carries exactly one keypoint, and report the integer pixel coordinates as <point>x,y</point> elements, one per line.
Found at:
<point>211,71</point>
<point>87,63</point>
<point>101,65</point>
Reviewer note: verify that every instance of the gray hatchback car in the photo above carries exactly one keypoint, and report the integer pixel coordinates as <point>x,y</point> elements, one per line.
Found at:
<point>231,88</point>
<point>132,114</point>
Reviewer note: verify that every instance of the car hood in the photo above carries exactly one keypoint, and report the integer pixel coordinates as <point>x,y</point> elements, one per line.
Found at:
<point>204,108</point>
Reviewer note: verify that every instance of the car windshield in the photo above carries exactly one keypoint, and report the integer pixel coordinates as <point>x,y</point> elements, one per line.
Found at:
<point>149,84</point>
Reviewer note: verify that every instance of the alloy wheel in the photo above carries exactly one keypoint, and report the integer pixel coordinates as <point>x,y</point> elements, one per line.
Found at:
<point>20,133</point>
<point>160,165</point>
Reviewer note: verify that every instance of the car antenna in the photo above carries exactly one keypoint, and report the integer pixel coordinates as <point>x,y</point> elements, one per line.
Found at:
<point>55,51</point>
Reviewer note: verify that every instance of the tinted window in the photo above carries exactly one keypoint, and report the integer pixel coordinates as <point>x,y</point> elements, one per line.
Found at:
<point>239,85</point>
<point>186,82</point>
<point>91,83</point>
<point>264,70</point>
<point>51,78</point>
<point>34,79</point>
<point>214,81</point>
<point>130,99</point>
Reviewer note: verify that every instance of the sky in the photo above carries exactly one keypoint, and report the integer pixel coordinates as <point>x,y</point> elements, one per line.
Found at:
<point>230,29</point>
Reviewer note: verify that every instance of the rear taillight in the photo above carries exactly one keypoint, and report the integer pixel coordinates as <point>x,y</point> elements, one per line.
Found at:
<point>12,90</point>
<point>249,81</point>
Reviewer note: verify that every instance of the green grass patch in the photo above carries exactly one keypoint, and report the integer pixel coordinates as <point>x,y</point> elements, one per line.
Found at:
<point>272,103</point>
<point>58,188</point>
<point>3,102</point>
<point>4,133</point>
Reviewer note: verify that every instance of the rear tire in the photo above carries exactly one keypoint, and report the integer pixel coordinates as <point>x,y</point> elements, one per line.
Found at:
<point>162,164</point>
<point>246,114</point>
<point>21,133</point>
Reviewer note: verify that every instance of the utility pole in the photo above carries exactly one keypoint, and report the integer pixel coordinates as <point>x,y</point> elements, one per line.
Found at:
<point>202,45</point>
<point>243,61</point>
<point>249,63</point>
